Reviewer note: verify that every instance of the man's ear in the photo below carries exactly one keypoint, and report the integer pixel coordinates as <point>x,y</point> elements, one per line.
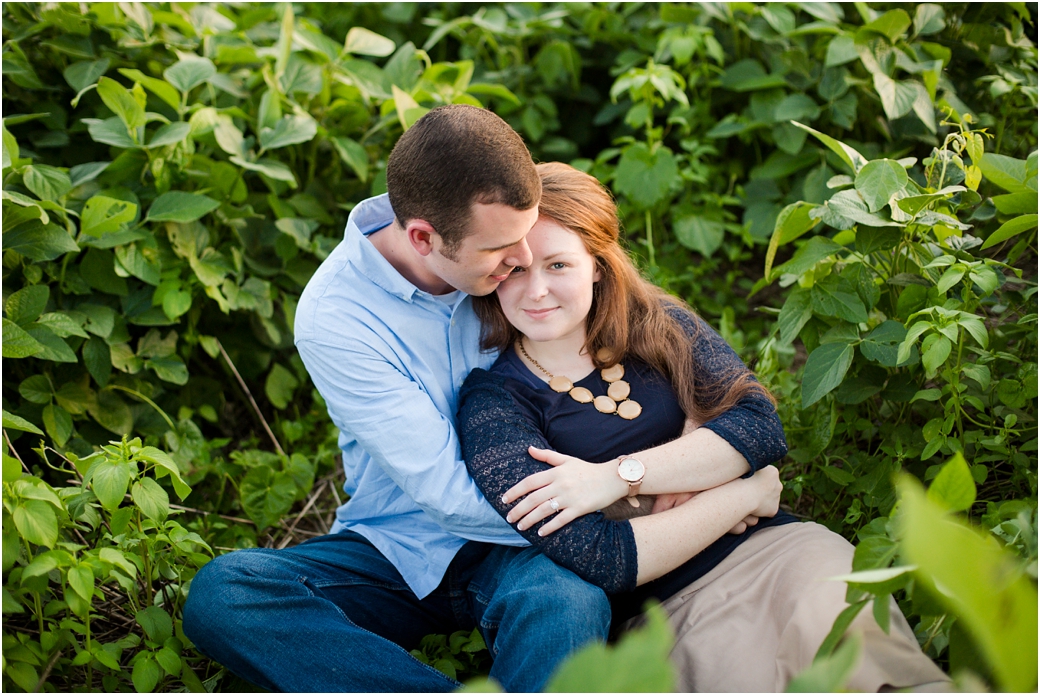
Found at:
<point>420,235</point>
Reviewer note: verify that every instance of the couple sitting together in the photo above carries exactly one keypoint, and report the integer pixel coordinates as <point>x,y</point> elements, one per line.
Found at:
<point>536,441</point>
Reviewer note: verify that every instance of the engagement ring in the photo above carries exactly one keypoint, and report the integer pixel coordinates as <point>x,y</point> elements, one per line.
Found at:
<point>554,504</point>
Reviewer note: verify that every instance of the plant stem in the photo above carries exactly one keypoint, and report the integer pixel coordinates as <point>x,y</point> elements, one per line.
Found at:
<point>650,239</point>
<point>252,401</point>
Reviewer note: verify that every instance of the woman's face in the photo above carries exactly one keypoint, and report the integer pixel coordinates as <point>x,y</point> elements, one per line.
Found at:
<point>550,299</point>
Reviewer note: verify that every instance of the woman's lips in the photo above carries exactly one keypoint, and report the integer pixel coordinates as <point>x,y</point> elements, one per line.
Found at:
<point>539,313</point>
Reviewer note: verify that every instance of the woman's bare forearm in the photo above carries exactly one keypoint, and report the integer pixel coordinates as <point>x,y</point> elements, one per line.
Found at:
<point>667,540</point>
<point>700,460</point>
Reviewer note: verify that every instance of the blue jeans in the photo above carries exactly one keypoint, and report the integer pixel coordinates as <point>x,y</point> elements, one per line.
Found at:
<point>333,615</point>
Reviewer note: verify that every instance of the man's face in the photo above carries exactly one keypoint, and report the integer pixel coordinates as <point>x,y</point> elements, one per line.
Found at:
<point>496,243</point>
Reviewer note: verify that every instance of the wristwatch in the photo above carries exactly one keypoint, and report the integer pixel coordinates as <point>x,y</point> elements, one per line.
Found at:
<point>631,471</point>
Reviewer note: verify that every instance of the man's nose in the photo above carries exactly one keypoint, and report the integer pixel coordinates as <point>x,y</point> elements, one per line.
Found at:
<point>519,255</point>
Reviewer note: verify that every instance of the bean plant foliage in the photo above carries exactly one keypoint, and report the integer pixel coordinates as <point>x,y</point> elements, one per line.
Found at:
<point>847,192</point>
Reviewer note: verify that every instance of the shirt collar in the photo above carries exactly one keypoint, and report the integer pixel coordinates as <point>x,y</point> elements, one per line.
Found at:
<point>367,217</point>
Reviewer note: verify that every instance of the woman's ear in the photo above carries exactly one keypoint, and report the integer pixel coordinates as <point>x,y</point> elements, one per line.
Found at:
<point>420,235</point>
<point>596,274</point>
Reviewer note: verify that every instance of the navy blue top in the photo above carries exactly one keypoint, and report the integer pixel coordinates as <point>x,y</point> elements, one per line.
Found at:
<point>504,411</point>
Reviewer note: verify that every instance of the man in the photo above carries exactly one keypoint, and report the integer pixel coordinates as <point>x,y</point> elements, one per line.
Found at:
<point>387,333</point>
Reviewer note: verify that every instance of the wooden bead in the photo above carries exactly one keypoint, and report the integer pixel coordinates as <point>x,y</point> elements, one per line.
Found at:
<point>561,384</point>
<point>619,390</point>
<point>581,394</point>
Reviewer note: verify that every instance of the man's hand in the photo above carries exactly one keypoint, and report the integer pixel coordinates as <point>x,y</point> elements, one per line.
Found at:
<point>673,499</point>
<point>570,489</point>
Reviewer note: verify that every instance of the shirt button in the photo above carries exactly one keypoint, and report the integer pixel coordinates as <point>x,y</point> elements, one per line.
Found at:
<point>453,323</point>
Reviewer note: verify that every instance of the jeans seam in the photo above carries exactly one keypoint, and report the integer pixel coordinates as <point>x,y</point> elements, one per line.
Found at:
<point>305,582</point>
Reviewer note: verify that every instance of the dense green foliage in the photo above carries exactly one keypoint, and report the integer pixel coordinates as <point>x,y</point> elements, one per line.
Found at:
<point>848,193</point>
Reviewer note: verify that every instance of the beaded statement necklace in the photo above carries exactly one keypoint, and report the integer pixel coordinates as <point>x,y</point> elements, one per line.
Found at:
<point>616,401</point>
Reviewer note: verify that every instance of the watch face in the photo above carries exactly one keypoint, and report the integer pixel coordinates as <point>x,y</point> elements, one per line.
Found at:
<point>631,470</point>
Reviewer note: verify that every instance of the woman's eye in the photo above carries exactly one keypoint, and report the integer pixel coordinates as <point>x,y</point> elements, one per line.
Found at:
<point>558,266</point>
<point>516,269</point>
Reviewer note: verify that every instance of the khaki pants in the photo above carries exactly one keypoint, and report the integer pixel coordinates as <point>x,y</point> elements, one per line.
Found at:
<point>757,619</point>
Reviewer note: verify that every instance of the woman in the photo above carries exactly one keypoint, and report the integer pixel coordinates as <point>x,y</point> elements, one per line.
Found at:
<point>597,364</point>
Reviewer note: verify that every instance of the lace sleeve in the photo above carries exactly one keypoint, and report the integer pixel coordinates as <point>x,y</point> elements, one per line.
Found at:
<point>495,433</point>
<point>752,426</point>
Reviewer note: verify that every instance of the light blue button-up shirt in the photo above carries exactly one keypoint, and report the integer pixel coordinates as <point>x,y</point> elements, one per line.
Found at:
<point>389,359</point>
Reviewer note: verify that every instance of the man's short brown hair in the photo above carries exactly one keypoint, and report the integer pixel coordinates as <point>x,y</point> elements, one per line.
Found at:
<point>453,157</point>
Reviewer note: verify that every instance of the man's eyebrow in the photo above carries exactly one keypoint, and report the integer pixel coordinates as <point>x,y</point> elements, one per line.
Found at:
<point>503,246</point>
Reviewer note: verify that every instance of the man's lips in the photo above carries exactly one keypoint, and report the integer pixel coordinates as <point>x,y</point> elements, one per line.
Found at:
<point>500,278</point>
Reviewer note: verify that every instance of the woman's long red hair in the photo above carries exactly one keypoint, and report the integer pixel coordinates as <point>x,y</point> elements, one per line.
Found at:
<point>629,316</point>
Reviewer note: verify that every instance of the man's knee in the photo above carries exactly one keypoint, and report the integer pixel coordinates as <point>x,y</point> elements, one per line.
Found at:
<point>560,590</point>
<point>215,590</point>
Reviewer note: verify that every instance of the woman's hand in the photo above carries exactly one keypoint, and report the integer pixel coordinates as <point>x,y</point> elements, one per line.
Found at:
<point>673,499</point>
<point>577,487</point>
<point>769,488</point>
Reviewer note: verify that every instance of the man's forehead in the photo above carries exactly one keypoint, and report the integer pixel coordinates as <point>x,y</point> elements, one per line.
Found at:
<point>495,226</point>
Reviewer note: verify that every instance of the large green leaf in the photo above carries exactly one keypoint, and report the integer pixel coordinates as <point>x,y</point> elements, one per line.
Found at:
<point>897,96</point>
<point>103,215</point>
<point>645,177</point>
<point>188,73</point>
<point>170,134</point>
<point>812,252</point>
<point>13,422</point>
<point>58,423</point>
<point>878,181</point>
<point>110,131</point>
<point>637,663</point>
<point>180,206</point>
<point>835,296</point>
<point>109,479</point>
<point>121,102</point>
<point>353,155</point>
<point>84,73</point>
<point>792,222</point>
<point>158,87</point>
<point>26,305</point>
<point>267,495</point>
<point>17,343</point>
<point>795,313</point>
<point>112,413</point>
<point>271,168</point>
<point>700,233</point>
<point>362,41</point>
<point>279,386</point>
<point>953,488</point>
<point>47,182</point>
<point>824,371</point>
<point>1010,228</point>
<point>290,130</point>
<point>39,241</point>
<point>151,498</point>
<point>1007,172</point>
<point>978,581</point>
<point>36,522</point>
<point>850,156</point>
<point>892,25</point>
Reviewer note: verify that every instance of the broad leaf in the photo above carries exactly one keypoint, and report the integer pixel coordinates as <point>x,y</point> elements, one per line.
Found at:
<point>159,88</point>
<point>897,97</point>
<point>851,157</point>
<point>13,422</point>
<point>267,495</point>
<point>47,182</point>
<point>812,252</point>
<point>17,343</point>
<point>878,181</point>
<point>270,168</point>
<point>792,222</point>
<point>702,234</point>
<point>279,386</point>
<point>180,206</point>
<point>980,584</point>
<point>110,131</point>
<point>361,41</point>
<point>643,177</point>
<point>892,25</point>
<point>189,73</point>
<point>1011,228</point>
<point>103,215</point>
<point>170,134</point>
<point>151,498</point>
<point>353,155</point>
<point>824,371</point>
<point>39,241</point>
<point>84,73</point>
<point>1007,172</point>
<point>796,312</point>
<point>121,102</point>
<point>953,488</point>
<point>26,305</point>
<point>36,522</point>
<point>109,479</point>
<point>290,130</point>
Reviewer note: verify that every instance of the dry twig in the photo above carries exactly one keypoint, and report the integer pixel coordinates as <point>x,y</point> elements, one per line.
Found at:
<point>252,401</point>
